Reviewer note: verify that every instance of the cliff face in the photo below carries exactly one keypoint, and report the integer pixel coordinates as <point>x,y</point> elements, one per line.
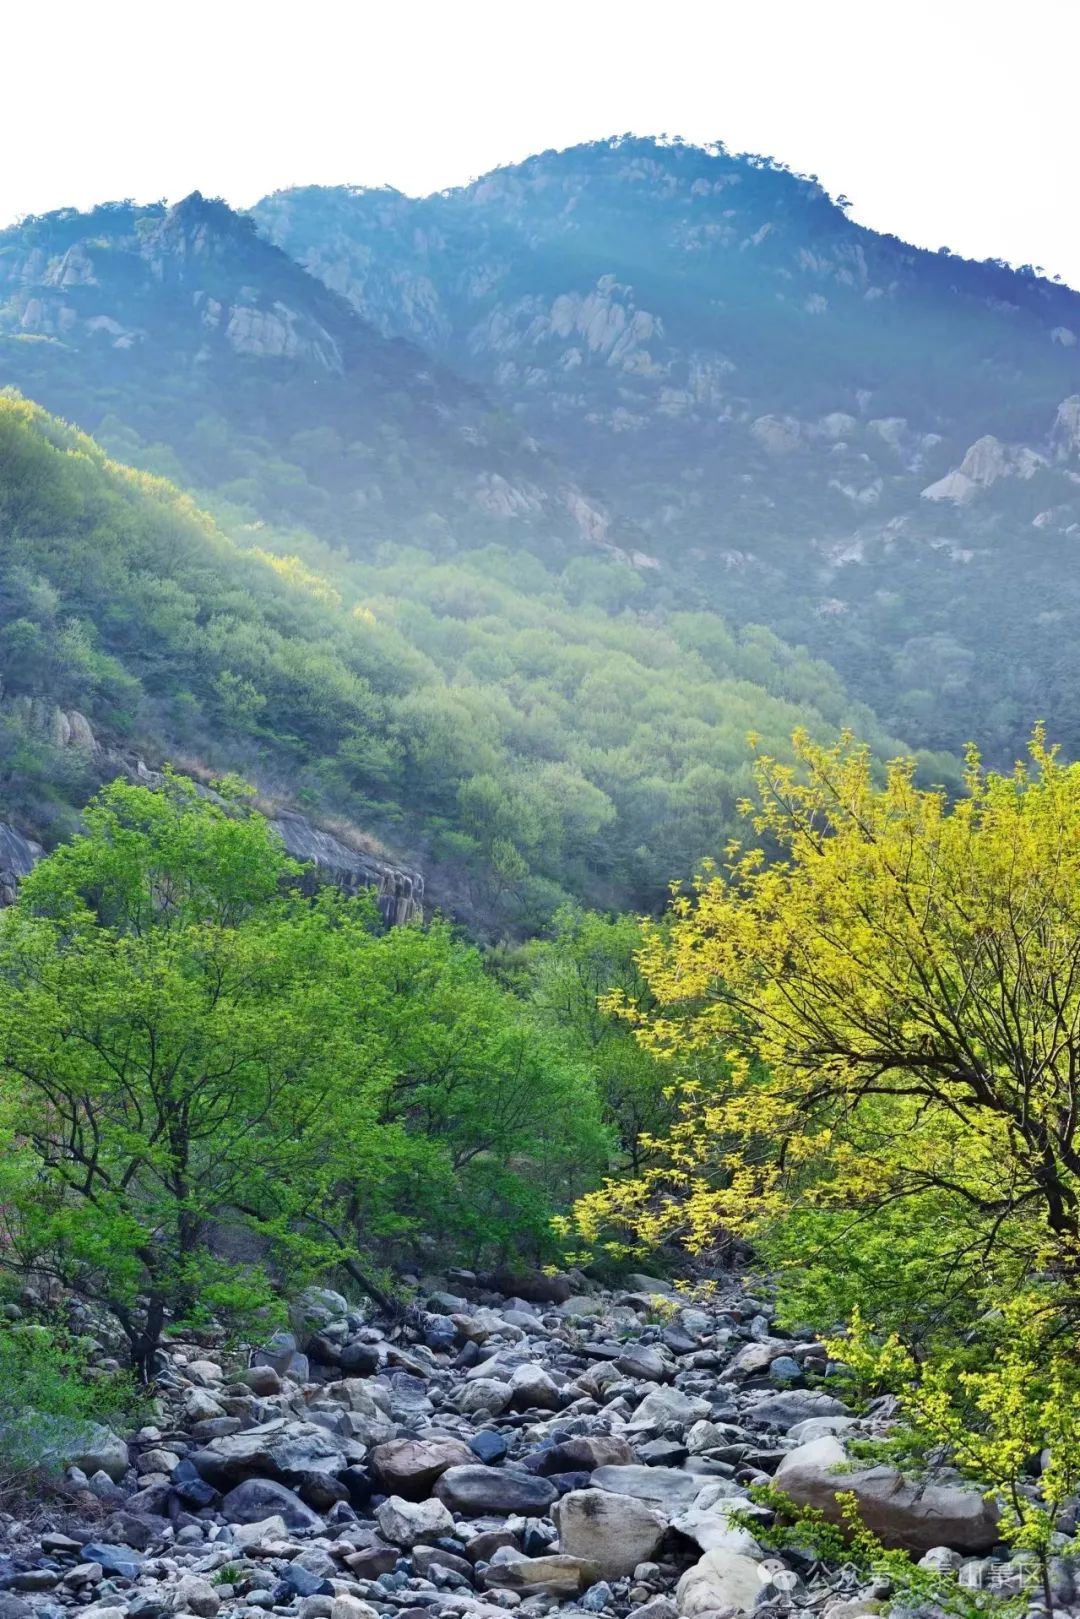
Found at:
<point>352,867</point>
<point>18,857</point>
<point>182,327</point>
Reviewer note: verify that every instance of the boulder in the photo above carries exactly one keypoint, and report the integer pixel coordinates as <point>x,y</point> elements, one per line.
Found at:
<point>584,1452</point>
<point>670,1408</point>
<point>483,1394</point>
<point>797,1405</point>
<point>616,1532</point>
<point>350,1607</point>
<point>646,1362</point>
<point>409,1467</point>
<point>666,1488</point>
<point>636,1282</point>
<point>720,1580</point>
<point>476,1490</point>
<point>531,1386</point>
<point>192,1594</point>
<point>263,1529</point>
<point>707,1521</point>
<point>555,1574</point>
<point>532,1286</point>
<point>914,1517</point>
<point>256,1500</point>
<point>407,1522</point>
<point>282,1449</point>
<point>88,1446</point>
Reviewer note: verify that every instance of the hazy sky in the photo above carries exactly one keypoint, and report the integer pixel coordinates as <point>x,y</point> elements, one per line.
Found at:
<point>950,122</point>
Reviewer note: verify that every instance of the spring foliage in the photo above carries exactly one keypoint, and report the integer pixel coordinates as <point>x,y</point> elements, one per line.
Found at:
<point>211,1086</point>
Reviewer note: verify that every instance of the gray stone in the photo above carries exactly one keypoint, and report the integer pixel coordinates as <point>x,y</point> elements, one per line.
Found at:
<point>914,1517</point>
<point>483,1394</point>
<point>616,1532</point>
<point>670,1408</point>
<point>407,1522</point>
<point>475,1490</point>
<point>646,1362</point>
<point>257,1499</point>
<point>280,1449</point>
<point>664,1487</point>
<point>191,1594</point>
<point>721,1580</point>
<point>798,1405</point>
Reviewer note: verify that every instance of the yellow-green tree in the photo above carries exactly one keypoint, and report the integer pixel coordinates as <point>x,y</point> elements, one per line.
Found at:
<point>873,1016</point>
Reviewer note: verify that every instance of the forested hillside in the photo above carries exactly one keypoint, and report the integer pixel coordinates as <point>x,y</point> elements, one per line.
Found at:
<point>870,447</point>
<point>530,734</point>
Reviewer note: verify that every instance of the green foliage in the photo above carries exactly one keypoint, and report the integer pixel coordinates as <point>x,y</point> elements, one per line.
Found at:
<point>189,1048</point>
<point>48,1395</point>
<point>851,1544</point>
<point>569,976</point>
<point>531,745</point>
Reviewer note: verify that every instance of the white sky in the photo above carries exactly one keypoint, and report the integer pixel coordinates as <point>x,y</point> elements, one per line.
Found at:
<point>949,122</point>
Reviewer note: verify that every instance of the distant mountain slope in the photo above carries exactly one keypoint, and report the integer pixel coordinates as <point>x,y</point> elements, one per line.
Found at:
<point>874,448</point>
<point>185,340</point>
<point>522,735</point>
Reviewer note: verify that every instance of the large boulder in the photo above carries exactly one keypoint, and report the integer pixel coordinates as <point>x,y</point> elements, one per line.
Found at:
<point>914,1517</point>
<point>722,1580</point>
<point>616,1532</point>
<point>552,1574</point>
<point>665,1488</point>
<point>95,1450</point>
<point>795,1406</point>
<point>283,1449</point>
<point>258,1499</point>
<point>476,1490</point>
<point>406,1523</point>
<point>669,1408</point>
<point>409,1467</point>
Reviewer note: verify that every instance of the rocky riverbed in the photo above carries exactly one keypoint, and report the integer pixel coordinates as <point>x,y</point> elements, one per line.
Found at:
<point>536,1450</point>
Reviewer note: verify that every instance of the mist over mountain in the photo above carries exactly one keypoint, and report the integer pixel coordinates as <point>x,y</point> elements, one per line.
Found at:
<point>180,336</point>
<point>873,448</point>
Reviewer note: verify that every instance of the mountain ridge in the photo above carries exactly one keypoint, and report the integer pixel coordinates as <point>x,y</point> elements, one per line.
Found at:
<point>775,399</point>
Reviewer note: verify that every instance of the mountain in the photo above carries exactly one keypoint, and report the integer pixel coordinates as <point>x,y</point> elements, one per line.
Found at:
<point>186,342</point>
<point>520,735</point>
<point>871,447</point>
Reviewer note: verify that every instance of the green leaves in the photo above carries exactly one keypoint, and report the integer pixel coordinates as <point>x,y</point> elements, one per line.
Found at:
<point>190,1049</point>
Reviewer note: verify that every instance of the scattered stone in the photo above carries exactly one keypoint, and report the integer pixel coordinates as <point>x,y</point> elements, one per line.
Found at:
<point>494,1489</point>
<point>406,1522</point>
<point>720,1580</point>
<point>616,1532</point>
<point>915,1517</point>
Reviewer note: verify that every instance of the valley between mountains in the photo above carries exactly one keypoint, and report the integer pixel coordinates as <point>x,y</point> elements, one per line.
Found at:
<point>539,906</point>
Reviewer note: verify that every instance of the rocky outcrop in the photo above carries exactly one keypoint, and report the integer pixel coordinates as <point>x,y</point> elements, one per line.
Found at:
<point>987,461</point>
<point>399,890</point>
<point>18,857</point>
<point>352,867</point>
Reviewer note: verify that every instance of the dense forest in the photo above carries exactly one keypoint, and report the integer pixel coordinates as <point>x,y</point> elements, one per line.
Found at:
<point>532,734</point>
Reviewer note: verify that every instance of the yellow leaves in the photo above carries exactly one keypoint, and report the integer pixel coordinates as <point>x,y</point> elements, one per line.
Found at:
<point>890,1008</point>
<point>299,576</point>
